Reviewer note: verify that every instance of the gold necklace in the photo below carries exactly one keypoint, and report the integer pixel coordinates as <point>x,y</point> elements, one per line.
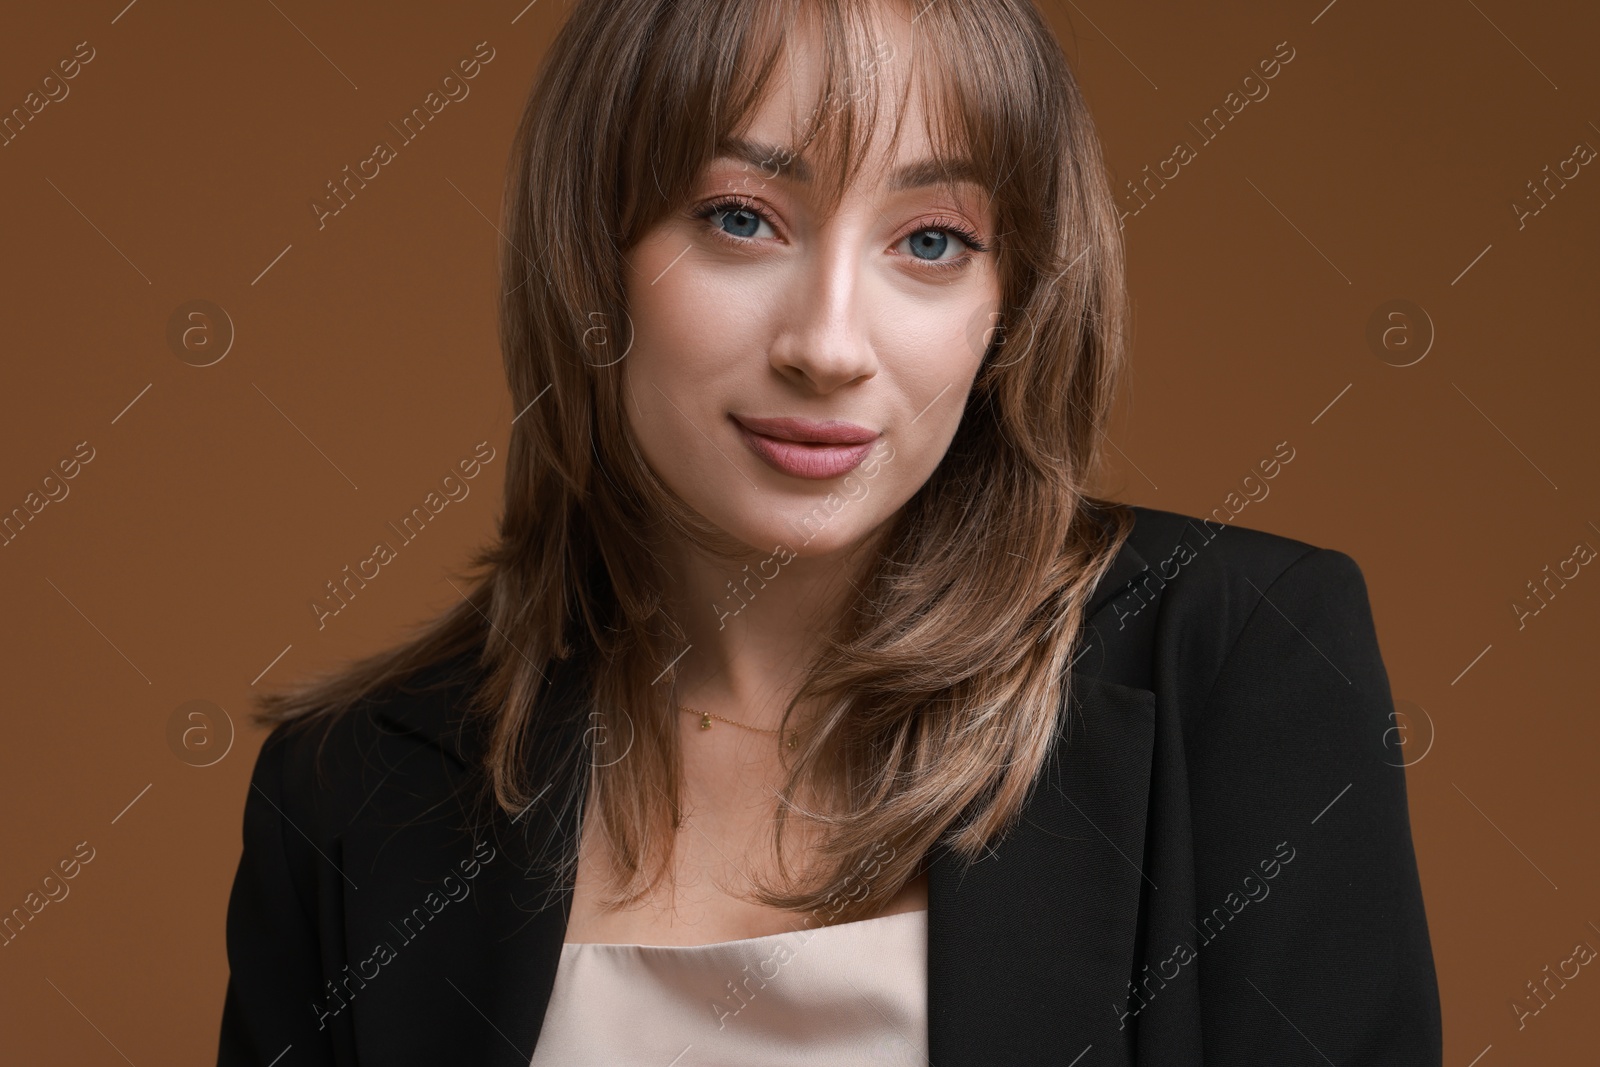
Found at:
<point>706,717</point>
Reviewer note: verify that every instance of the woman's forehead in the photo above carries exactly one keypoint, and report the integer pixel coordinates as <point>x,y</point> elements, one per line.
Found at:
<point>778,134</point>
<point>916,166</point>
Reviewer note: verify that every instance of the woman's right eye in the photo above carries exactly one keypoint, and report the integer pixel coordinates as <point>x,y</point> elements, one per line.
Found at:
<point>735,219</point>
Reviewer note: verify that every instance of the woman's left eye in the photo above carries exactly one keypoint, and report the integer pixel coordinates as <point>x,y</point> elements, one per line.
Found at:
<point>929,244</point>
<point>932,243</point>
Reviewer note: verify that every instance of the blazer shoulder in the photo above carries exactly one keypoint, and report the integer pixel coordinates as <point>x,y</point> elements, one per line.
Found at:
<point>1199,582</point>
<point>322,771</point>
<point>1198,564</point>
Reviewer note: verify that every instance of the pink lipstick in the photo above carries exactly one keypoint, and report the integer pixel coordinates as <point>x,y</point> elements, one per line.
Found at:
<point>804,448</point>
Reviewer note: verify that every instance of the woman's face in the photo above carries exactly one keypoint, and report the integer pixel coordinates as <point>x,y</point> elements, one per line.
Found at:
<point>749,306</point>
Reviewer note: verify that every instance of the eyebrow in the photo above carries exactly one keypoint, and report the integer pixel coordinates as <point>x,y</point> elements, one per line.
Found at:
<point>916,175</point>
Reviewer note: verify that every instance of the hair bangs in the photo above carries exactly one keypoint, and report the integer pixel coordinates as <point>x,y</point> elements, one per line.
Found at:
<point>696,102</point>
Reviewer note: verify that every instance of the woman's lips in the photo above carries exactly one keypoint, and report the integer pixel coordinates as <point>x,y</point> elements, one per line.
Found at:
<point>803,460</point>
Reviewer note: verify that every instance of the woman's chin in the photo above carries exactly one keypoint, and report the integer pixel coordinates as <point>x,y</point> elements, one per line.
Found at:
<point>803,538</point>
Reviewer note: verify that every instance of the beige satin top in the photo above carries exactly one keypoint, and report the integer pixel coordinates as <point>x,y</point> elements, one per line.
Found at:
<point>845,995</point>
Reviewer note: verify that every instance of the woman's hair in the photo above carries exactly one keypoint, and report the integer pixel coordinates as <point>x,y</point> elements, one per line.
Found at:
<point>943,686</point>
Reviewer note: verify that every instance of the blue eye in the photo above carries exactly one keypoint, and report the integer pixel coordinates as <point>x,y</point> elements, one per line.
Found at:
<point>734,218</point>
<point>931,242</point>
<point>740,222</point>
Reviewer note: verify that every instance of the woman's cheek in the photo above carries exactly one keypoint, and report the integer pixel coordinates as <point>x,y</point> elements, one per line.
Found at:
<point>672,445</point>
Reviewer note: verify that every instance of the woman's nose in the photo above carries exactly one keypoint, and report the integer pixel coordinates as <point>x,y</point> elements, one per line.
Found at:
<point>826,342</point>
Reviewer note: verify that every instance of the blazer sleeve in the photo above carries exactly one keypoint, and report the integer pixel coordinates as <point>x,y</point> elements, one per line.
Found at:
<point>1311,936</point>
<point>273,947</point>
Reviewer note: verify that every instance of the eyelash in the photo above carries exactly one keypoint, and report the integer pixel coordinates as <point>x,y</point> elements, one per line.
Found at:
<point>942,224</point>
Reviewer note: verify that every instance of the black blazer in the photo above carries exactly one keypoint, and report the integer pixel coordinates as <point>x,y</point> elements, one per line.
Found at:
<point>1215,867</point>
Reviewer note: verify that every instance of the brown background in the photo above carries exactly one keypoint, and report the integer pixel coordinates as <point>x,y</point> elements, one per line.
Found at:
<point>1383,165</point>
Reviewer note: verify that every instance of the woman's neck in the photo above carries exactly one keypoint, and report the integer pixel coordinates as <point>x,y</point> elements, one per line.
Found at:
<point>753,627</point>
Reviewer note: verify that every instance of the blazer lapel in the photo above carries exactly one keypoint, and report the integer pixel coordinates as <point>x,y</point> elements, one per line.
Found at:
<point>1023,944</point>
<point>472,986</point>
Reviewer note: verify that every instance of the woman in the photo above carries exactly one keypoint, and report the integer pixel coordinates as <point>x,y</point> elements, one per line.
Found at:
<point>808,708</point>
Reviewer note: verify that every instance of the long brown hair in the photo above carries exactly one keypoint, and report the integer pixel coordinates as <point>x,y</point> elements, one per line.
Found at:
<point>945,682</point>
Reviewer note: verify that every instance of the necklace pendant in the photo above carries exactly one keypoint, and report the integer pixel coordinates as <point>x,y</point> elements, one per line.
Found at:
<point>705,721</point>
